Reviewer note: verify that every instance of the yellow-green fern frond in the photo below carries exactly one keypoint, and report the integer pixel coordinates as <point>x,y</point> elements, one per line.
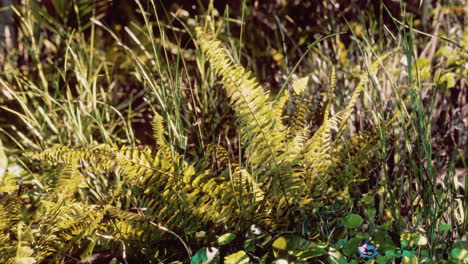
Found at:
<point>353,157</point>
<point>8,183</point>
<point>10,212</point>
<point>242,180</point>
<point>158,131</point>
<point>330,94</point>
<point>298,120</point>
<point>61,227</point>
<point>68,182</point>
<point>221,158</point>
<point>259,128</point>
<point>364,78</point>
<point>279,107</point>
<point>23,255</point>
<point>318,150</point>
<point>172,192</point>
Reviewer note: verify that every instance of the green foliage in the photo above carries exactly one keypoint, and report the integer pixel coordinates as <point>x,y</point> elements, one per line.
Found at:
<point>239,257</point>
<point>97,187</point>
<point>298,179</point>
<point>206,255</point>
<point>300,165</point>
<point>60,14</point>
<point>226,239</point>
<point>352,221</point>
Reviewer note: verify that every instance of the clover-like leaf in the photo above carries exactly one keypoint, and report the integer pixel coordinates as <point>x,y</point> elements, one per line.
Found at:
<point>352,221</point>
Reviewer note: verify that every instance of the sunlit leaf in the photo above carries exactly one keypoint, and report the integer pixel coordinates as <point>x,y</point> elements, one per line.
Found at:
<point>446,81</point>
<point>3,160</point>
<point>300,85</point>
<point>423,67</point>
<point>459,254</point>
<point>312,251</point>
<point>226,239</point>
<point>280,243</point>
<point>239,257</point>
<point>334,256</point>
<point>419,240</point>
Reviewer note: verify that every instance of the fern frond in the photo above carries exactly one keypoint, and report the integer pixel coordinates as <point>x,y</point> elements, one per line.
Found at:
<point>8,183</point>
<point>298,120</point>
<point>10,215</point>
<point>330,94</point>
<point>318,150</point>
<point>23,255</point>
<point>62,227</point>
<point>170,190</point>
<point>260,130</point>
<point>158,131</point>
<point>353,157</point>
<point>242,180</point>
<point>364,78</point>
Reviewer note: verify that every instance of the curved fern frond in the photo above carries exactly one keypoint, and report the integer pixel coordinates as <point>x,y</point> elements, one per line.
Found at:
<point>8,183</point>
<point>353,157</point>
<point>318,150</point>
<point>170,190</point>
<point>158,131</point>
<point>298,120</point>
<point>243,182</point>
<point>364,78</point>
<point>260,129</point>
<point>326,113</point>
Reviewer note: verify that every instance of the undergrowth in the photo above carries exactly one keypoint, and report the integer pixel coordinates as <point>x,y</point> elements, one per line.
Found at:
<point>154,142</point>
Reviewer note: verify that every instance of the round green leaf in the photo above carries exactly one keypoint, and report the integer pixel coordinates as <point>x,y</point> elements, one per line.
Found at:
<point>226,239</point>
<point>459,254</point>
<point>352,221</point>
<point>445,227</point>
<point>371,212</point>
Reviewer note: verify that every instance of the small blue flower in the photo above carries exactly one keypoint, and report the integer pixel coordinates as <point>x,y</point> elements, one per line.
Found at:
<point>367,251</point>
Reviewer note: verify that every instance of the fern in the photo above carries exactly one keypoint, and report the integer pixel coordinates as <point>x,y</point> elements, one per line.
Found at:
<point>262,131</point>
<point>124,194</point>
<point>292,166</point>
